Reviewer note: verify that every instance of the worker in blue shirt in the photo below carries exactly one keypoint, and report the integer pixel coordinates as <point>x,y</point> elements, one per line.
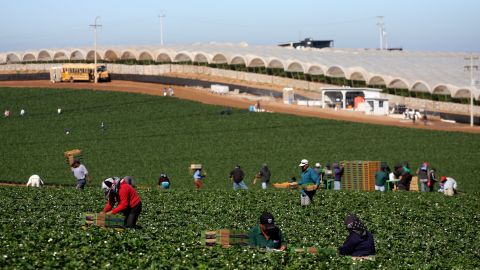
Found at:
<point>309,183</point>
<point>198,178</point>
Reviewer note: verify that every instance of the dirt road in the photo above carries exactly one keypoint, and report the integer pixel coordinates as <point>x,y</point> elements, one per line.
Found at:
<point>277,106</point>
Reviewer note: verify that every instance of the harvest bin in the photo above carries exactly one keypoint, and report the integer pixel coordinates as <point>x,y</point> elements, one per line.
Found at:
<point>360,175</point>
<point>194,167</point>
<point>71,155</point>
<point>226,238</point>
<point>103,220</point>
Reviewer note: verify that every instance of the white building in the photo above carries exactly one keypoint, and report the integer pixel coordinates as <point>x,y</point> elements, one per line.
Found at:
<point>366,100</point>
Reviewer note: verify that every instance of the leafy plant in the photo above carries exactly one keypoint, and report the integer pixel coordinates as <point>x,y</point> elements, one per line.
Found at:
<point>40,228</point>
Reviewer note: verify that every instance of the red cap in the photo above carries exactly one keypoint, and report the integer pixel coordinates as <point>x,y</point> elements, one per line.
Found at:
<point>443,178</point>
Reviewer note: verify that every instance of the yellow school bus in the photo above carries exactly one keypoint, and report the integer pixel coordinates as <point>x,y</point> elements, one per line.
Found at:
<point>79,72</point>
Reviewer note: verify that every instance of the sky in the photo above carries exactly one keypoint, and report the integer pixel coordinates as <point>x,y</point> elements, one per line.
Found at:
<point>414,25</point>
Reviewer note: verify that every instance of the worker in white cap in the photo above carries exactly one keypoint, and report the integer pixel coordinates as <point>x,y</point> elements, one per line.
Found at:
<point>309,183</point>
<point>35,181</point>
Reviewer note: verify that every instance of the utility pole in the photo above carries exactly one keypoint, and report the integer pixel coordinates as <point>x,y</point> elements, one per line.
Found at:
<point>161,16</point>
<point>471,67</point>
<point>381,26</point>
<point>94,26</point>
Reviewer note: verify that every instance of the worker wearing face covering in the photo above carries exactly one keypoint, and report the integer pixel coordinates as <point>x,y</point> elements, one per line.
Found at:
<point>125,198</point>
<point>266,234</point>
<point>359,242</point>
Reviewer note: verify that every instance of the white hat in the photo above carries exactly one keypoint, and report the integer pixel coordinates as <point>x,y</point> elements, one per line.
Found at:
<point>303,162</point>
<point>106,188</point>
<point>318,165</point>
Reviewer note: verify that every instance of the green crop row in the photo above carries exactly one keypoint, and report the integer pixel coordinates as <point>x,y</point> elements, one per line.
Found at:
<point>41,228</point>
<point>146,135</point>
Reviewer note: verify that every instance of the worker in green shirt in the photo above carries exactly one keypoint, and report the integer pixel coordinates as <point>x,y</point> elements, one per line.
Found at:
<point>309,183</point>
<point>266,234</point>
<point>381,178</point>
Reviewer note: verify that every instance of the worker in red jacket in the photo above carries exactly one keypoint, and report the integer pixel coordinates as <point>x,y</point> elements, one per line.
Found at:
<point>124,195</point>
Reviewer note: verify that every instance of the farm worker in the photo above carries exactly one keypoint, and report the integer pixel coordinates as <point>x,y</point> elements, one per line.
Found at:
<point>81,174</point>
<point>381,178</point>
<point>449,186</point>
<point>423,174</point>
<point>197,178</point>
<point>359,242</point>
<point>327,176</point>
<point>432,179</point>
<point>337,176</point>
<point>266,234</point>
<point>425,118</point>
<point>163,181</point>
<point>320,171</point>
<point>405,177</point>
<point>257,107</point>
<point>35,181</point>
<point>391,179</point>
<point>309,182</point>
<point>264,175</point>
<point>237,175</point>
<point>120,193</point>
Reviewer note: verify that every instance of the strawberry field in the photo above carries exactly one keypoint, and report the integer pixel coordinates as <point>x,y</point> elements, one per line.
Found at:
<point>41,229</point>
<point>145,135</point>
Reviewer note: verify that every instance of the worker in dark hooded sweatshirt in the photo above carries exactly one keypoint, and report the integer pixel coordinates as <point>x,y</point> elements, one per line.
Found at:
<point>265,175</point>
<point>360,241</point>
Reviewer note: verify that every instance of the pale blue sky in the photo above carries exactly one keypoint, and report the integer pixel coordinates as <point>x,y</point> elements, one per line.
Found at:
<point>426,25</point>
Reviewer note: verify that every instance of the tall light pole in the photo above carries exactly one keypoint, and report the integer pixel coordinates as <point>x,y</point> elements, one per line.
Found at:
<point>94,26</point>
<point>161,16</point>
<point>471,68</point>
<point>381,26</point>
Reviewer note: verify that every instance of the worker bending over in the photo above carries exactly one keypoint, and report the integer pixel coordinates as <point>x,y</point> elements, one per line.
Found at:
<point>448,186</point>
<point>359,242</point>
<point>120,193</point>
<point>35,181</point>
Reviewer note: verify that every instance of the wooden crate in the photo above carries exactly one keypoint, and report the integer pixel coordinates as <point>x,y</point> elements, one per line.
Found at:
<point>359,175</point>
<point>103,220</point>
<point>194,167</point>
<point>225,238</point>
<point>414,184</point>
<point>71,155</point>
<point>373,168</point>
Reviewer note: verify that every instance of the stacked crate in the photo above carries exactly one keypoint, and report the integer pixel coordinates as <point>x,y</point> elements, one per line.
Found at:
<point>71,155</point>
<point>359,175</point>
<point>414,184</point>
